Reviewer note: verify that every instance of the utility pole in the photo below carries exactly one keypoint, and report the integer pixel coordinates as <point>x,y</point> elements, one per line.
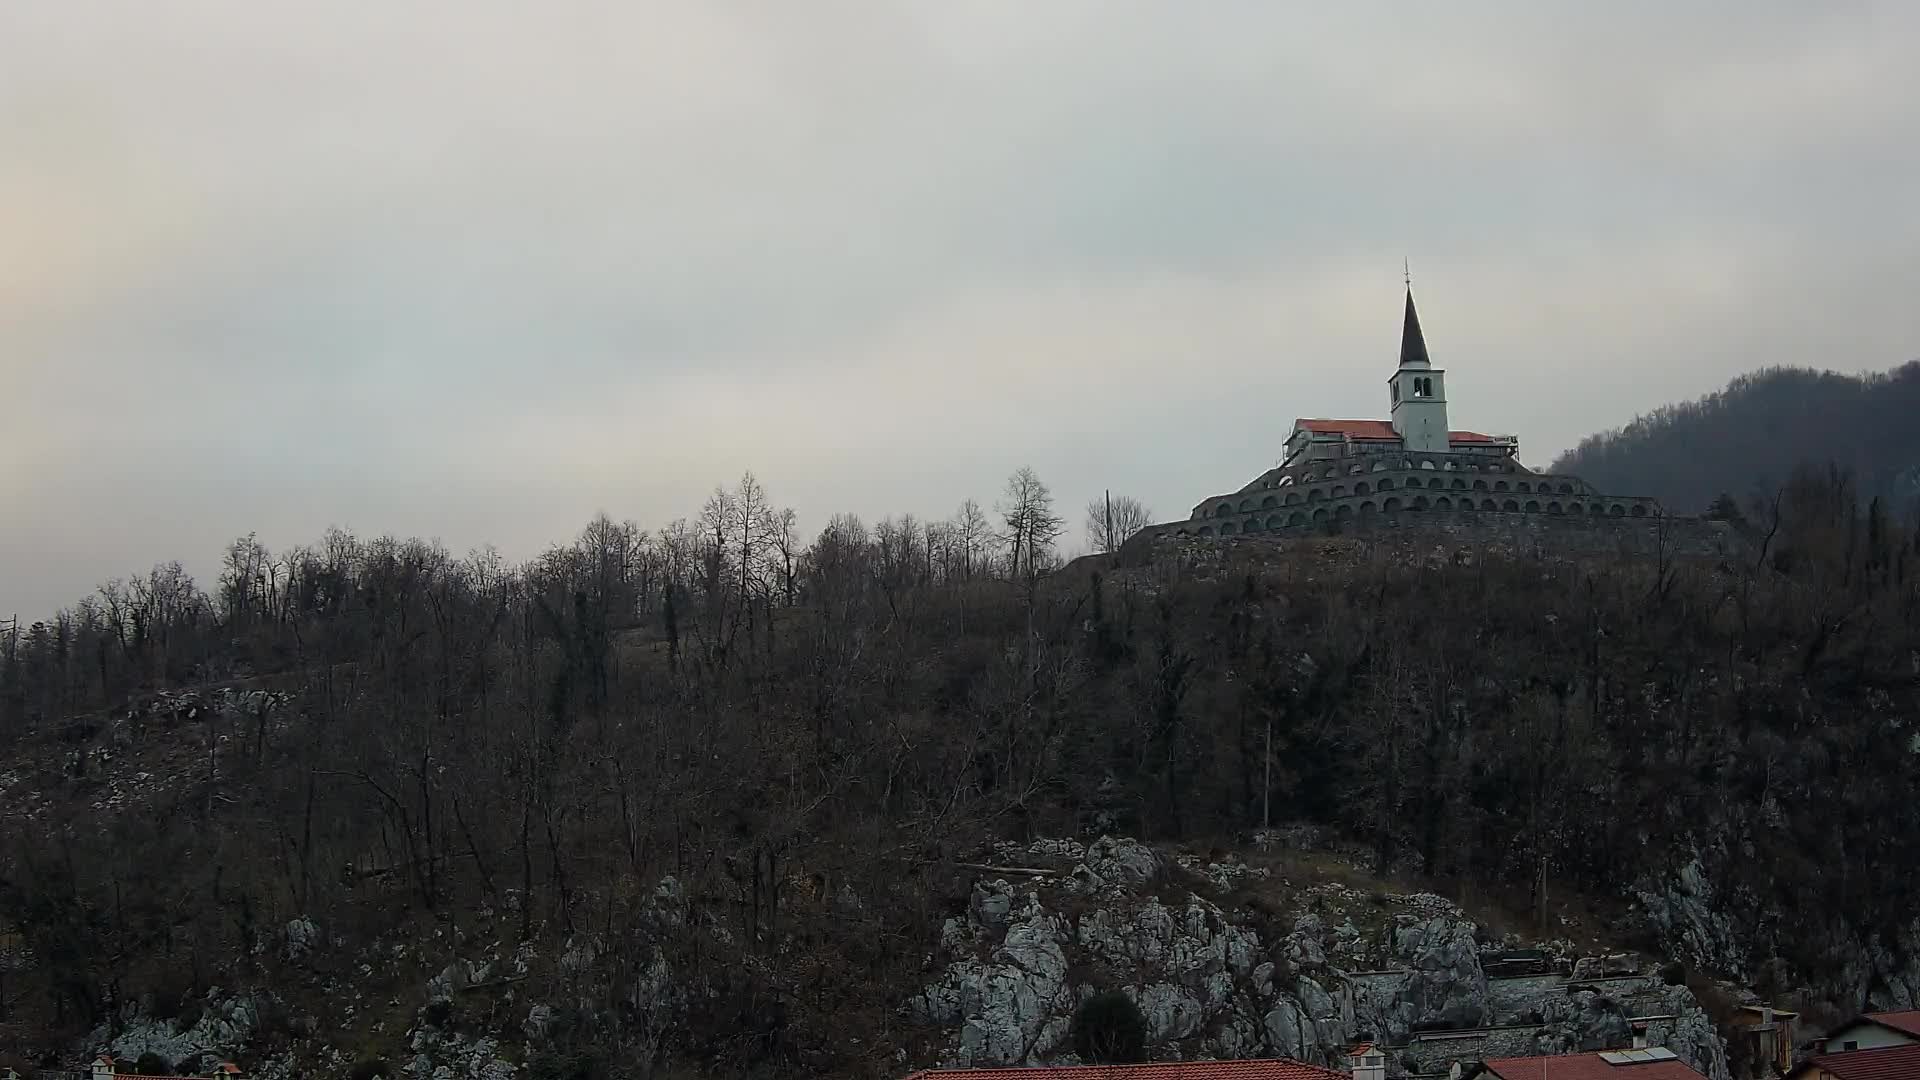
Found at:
<point>1543,894</point>
<point>1266,780</point>
<point>1108,538</point>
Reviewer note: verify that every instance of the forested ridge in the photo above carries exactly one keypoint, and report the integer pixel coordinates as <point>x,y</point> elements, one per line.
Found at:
<point>807,735</point>
<point>1747,439</point>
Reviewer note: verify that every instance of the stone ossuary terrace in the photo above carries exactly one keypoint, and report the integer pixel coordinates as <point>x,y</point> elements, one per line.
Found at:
<point>1338,475</point>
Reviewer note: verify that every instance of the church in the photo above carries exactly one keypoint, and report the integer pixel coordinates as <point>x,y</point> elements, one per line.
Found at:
<point>1349,475</point>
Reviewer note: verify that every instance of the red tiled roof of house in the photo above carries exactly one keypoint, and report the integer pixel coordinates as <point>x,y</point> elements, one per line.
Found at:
<point>1588,1067</point>
<point>1907,1021</point>
<point>226,1068</point>
<point>1469,437</point>
<point>1887,1063</point>
<point>1276,1069</point>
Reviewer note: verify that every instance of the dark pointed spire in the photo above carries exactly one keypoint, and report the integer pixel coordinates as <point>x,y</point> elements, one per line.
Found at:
<point>1413,344</point>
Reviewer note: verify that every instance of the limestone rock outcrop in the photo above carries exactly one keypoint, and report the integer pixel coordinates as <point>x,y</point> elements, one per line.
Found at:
<point>225,1024</point>
<point>1250,981</point>
<point>1007,989</point>
<point>1445,985</point>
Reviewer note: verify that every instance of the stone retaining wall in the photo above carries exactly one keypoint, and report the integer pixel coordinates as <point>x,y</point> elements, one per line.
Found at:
<point>1510,1000</point>
<point>1426,1055</point>
<point>1523,534</point>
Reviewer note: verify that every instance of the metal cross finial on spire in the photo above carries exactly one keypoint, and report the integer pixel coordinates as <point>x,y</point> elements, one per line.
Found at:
<point>1407,266</point>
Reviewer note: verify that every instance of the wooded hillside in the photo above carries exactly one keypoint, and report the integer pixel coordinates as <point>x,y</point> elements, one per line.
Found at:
<point>777,724</point>
<point>1749,437</point>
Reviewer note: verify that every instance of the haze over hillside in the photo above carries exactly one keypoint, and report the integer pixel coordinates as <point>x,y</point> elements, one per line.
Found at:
<point>278,267</point>
<point>1748,438</point>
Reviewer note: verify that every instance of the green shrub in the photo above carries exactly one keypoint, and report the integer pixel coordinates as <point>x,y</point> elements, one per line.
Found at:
<point>152,1064</point>
<point>275,1019</point>
<point>169,996</point>
<point>368,1068</point>
<point>569,1024</point>
<point>1108,1029</point>
<point>1720,1007</point>
<point>577,1065</point>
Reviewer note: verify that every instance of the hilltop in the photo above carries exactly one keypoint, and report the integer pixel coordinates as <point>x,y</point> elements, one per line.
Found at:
<point>1748,439</point>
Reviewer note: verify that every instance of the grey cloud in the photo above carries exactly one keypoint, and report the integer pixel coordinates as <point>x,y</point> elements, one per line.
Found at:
<point>476,271</point>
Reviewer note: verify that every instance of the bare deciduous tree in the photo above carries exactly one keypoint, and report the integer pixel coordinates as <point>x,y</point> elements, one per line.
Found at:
<point>971,534</point>
<point>1111,520</point>
<point>1031,526</point>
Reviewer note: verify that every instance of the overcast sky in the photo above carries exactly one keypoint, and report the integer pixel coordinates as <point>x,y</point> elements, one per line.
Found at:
<point>476,270</point>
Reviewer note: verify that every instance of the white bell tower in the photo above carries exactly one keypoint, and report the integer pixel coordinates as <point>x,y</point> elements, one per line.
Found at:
<point>1419,392</point>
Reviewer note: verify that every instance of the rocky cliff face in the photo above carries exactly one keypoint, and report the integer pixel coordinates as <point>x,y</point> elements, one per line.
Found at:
<point>1701,924</point>
<point>1215,979</point>
<point>1225,958</point>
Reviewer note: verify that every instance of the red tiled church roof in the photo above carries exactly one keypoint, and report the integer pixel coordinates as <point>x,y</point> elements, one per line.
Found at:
<point>1352,429</point>
<point>1888,1063</point>
<point>1381,430</point>
<point>1276,1069</point>
<point>1588,1067</point>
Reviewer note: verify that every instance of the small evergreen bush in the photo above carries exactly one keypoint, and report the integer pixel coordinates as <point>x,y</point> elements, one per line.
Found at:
<point>1108,1029</point>
<point>578,1065</point>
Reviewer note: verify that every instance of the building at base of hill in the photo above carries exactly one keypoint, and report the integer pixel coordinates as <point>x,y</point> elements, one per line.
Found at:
<point>1267,1069</point>
<point>1873,1031</point>
<point>1653,1063</point>
<point>1882,1063</point>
